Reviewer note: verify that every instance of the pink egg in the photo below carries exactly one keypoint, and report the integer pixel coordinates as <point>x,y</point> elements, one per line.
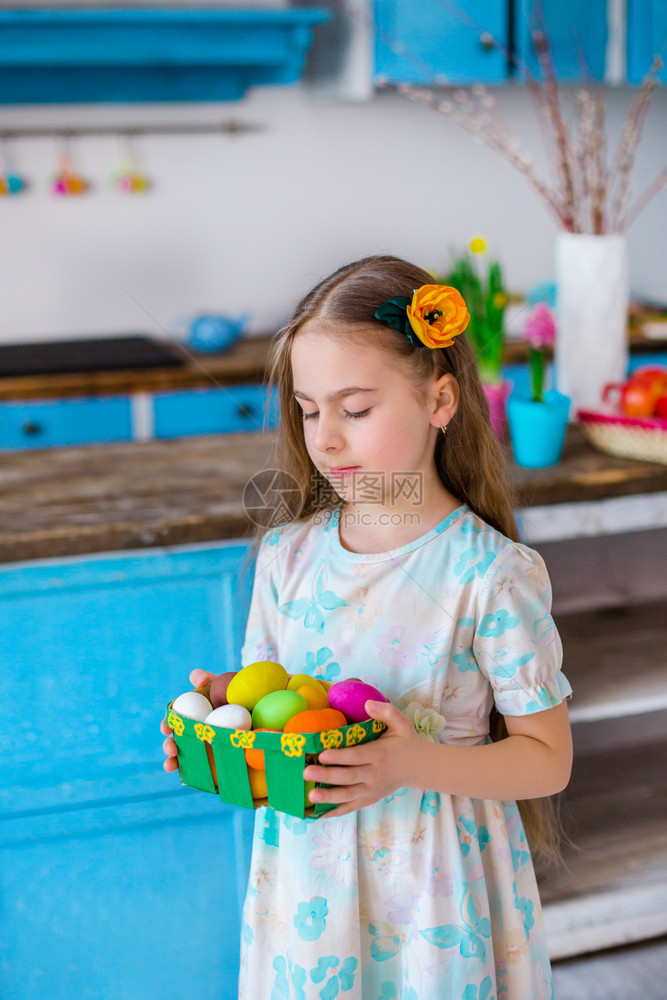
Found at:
<point>350,698</point>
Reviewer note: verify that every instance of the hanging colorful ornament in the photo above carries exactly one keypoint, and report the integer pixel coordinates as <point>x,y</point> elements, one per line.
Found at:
<point>10,182</point>
<point>67,181</point>
<point>128,178</point>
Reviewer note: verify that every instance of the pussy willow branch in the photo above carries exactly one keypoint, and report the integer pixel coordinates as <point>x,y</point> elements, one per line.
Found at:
<point>626,151</point>
<point>509,149</point>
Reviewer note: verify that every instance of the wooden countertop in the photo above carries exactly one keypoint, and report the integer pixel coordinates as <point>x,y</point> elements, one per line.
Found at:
<point>244,362</point>
<point>69,501</point>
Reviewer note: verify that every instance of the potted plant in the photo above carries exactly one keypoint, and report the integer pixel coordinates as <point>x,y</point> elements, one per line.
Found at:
<point>590,197</point>
<point>538,421</point>
<point>482,286</point>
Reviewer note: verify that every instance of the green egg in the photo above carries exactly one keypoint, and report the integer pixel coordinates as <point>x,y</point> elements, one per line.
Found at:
<point>274,710</point>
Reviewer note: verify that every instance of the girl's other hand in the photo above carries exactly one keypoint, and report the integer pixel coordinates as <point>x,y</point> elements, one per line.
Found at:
<point>364,774</point>
<point>199,679</point>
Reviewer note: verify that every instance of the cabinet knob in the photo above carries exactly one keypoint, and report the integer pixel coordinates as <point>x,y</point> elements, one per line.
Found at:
<point>31,428</point>
<point>486,41</point>
<point>245,410</point>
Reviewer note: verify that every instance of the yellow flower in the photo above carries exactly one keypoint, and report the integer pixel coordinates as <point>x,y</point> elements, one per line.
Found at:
<point>355,734</point>
<point>176,723</point>
<point>478,244</point>
<point>242,738</point>
<point>437,314</point>
<point>204,732</point>
<point>500,300</point>
<point>292,744</point>
<point>331,738</point>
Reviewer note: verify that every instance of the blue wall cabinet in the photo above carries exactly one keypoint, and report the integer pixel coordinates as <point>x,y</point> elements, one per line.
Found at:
<point>425,42</point>
<point>115,880</point>
<point>151,54</point>
<point>212,411</point>
<point>45,423</point>
<point>574,29</point>
<point>646,36</point>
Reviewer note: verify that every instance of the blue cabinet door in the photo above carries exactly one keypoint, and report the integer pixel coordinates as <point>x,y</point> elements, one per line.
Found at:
<point>116,881</point>
<point>45,423</point>
<point>646,37</point>
<point>426,42</point>
<point>213,411</point>
<point>576,31</point>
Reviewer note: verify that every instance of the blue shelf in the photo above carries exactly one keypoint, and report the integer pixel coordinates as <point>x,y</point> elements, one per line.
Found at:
<point>170,54</point>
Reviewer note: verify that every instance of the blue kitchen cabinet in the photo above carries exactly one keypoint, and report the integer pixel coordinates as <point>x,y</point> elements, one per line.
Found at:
<point>427,42</point>
<point>646,37</point>
<point>115,880</point>
<point>222,410</point>
<point>155,54</point>
<point>576,30</point>
<point>46,423</point>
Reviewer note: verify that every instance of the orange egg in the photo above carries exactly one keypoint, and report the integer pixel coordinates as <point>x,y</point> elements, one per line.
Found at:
<point>315,720</point>
<point>257,783</point>
<point>255,758</point>
<point>315,698</point>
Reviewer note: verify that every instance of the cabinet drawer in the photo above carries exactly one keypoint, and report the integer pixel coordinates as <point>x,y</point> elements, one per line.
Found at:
<point>212,411</point>
<point>419,41</point>
<point>44,423</point>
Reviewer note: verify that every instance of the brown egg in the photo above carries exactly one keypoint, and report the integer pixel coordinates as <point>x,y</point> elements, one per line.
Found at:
<point>219,685</point>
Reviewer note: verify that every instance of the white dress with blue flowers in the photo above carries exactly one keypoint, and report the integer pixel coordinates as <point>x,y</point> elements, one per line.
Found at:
<point>422,896</point>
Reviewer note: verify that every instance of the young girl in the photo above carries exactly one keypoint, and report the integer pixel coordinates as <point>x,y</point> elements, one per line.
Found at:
<point>419,885</point>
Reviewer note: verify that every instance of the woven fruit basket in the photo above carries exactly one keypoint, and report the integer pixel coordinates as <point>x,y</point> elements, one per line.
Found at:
<point>643,438</point>
<point>213,759</point>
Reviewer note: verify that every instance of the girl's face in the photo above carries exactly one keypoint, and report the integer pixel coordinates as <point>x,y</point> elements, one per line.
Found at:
<point>361,414</point>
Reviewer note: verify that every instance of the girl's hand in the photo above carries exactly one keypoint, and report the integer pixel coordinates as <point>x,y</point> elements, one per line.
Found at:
<point>363,775</point>
<point>198,678</point>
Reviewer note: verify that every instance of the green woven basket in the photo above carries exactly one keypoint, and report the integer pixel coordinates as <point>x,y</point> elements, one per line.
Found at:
<point>285,755</point>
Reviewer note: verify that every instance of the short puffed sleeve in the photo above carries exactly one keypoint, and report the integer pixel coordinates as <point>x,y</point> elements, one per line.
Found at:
<point>516,643</point>
<point>261,639</point>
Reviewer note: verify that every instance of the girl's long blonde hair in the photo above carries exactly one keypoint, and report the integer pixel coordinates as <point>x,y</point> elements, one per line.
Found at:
<point>468,458</point>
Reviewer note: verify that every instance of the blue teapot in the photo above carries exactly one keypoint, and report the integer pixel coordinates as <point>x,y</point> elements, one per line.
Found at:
<point>215,333</point>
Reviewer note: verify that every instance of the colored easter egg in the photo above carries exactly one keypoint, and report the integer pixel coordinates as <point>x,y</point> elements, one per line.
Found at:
<point>300,679</point>
<point>314,698</point>
<point>230,717</point>
<point>315,720</point>
<point>350,697</point>
<point>257,783</point>
<point>218,692</point>
<point>309,787</point>
<point>192,705</point>
<point>255,681</point>
<point>274,710</point>
<point>254,757</point>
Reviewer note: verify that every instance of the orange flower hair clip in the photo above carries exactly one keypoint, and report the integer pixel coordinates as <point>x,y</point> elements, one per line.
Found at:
<point>435,314</point>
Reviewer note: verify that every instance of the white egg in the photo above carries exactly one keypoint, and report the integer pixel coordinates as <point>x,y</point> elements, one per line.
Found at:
<point>230,717</point>
<point>192,705</point>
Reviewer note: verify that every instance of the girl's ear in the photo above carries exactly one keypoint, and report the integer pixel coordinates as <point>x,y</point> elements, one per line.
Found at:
<point>446,400</point>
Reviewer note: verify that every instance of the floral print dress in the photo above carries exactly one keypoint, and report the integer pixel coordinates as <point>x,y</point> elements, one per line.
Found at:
<point>422,896</point>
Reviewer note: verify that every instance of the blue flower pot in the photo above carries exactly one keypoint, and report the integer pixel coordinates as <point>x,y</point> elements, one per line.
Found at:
<point>537,430</point>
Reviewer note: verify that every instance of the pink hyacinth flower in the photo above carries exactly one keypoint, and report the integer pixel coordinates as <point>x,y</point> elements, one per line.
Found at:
<point>540,329</point>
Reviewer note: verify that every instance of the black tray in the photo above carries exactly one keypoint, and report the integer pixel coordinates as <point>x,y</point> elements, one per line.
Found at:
<point>96,354</point>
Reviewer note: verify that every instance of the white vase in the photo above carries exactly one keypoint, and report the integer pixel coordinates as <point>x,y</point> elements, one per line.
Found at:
<point>592,304</point>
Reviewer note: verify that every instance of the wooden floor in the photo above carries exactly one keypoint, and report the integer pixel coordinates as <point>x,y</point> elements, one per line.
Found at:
<point>635,973</point>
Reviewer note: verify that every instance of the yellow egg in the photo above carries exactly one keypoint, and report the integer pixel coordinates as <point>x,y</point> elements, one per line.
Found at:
<point>300,679</point>
<point>255,681</point>
<point>257,783</point>
<point>314,697</point>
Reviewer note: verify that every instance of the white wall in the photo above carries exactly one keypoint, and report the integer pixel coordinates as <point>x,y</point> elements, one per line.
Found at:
<point>249,223</point>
